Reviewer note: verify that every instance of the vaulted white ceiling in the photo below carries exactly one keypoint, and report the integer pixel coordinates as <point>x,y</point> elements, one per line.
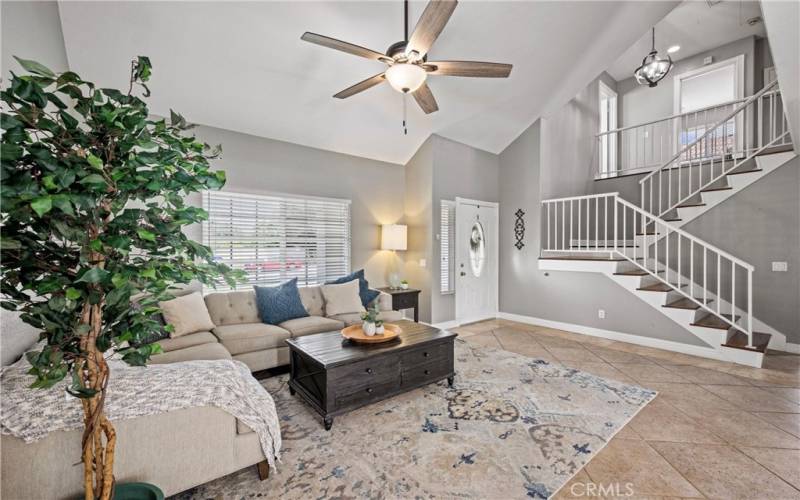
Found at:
<point>242,66</point>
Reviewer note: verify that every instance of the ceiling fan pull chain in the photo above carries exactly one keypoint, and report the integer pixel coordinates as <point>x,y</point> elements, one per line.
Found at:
<point>405,113</point>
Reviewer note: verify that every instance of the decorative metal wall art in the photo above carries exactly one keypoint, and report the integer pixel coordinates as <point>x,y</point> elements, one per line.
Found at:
<point>519,229</point>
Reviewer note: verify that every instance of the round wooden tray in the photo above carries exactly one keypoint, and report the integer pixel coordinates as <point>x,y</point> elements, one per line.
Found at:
<point>356,334</point>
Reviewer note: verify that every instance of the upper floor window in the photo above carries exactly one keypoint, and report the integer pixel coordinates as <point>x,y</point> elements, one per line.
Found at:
<point>273,238</point>
<point>608,122</point>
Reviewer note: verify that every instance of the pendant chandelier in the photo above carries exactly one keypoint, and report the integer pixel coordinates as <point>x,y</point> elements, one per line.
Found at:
<point>653,68</point>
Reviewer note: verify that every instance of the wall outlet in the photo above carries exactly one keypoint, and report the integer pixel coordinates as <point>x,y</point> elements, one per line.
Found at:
<point>601,313</point>
<point>423,263</point>
<point>708,60</point>
<point>780,267</point>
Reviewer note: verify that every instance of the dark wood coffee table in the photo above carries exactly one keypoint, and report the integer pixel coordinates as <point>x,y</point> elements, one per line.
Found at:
<point>335,375</point>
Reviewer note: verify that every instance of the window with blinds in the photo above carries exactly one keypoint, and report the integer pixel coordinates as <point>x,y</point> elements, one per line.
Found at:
<point>447,223</point>
<point>274,238</point>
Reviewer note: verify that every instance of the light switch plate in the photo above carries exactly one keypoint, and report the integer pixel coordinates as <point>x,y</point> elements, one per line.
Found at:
<point>423,263</point>
<point>780,267</point>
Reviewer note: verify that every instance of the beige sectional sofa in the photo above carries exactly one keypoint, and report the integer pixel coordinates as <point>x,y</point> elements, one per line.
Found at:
<point>240,334</point>
<point>172,457</point>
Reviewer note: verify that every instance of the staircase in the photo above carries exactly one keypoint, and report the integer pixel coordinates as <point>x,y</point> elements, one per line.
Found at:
<point>700,287</point>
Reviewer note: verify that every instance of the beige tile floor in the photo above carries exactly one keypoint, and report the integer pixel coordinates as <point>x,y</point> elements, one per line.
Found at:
<point>716,429</point>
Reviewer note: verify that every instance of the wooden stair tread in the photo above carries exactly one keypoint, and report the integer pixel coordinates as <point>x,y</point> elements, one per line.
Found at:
<point>659,287</point>
<point>776,149</point>
<point>581,257</point>
<point>746,171</point>
<point>711,321</point>
<point>738,340</point>
<point>692,204</point>
<point>685,303</point>
<point>634,272</point>
<point>709,190</point>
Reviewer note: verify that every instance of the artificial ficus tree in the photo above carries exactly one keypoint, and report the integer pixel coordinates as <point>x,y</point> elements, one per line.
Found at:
<point>93,206</point>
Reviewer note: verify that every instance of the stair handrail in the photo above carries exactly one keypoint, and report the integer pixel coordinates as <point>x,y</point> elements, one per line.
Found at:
<point>710,130</point>
<point>656,221</point>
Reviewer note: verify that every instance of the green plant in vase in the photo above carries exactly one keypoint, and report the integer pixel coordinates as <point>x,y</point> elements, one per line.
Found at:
<point>93,192</point>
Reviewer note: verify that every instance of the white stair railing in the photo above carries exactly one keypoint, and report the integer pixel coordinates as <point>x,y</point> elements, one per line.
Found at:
<point>714,280</point>
<point>719,150</point>
<point>646,146</point>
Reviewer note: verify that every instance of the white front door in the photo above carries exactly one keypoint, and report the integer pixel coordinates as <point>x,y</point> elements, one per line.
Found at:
<point>476,260</point>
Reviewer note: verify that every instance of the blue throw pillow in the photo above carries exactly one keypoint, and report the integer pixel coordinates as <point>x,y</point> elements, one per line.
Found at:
<point>364,291</point>
<point>277,304</point>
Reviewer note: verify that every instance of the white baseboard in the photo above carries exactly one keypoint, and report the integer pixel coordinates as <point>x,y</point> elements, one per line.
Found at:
<point>789,347</point>
<point>668,345</point>
<point>446,324</point>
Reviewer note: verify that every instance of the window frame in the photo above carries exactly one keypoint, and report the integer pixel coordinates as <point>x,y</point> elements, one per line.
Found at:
<point>447,230</point>
<point>608,143</point>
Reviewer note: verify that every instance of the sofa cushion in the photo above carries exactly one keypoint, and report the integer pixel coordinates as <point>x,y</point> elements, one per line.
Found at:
<point>184,341</point>
<point>187,314</point>
<point>311,324</point>
<point>233,308</point>
<point>348,318</point>
<point>277,304</point>
<point>209,351</point>
<point>342,299</point>
<point>312,300</point>
<point>364,291</point>
<point>249,337</point>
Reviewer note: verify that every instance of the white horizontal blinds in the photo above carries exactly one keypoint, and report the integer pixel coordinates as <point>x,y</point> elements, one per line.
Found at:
<point>276,238</point>
<point>447,220</point>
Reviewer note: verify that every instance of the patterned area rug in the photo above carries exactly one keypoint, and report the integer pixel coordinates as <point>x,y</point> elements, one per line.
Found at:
<point>511,427</point>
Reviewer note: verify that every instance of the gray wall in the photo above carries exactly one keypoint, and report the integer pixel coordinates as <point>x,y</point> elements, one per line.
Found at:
<point>419,219</point>
<point>458,171</point>
<point>29,30</point>
<point>570,297</point>
<point>569,145</point>
<point>259,165</point>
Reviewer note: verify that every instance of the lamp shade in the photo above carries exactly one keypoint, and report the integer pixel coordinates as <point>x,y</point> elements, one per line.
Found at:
<point>393,237</point>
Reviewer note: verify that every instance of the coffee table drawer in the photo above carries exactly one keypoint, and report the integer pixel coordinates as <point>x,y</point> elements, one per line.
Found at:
<point>364,373</point>
<point>428,372</point>
<point>427,354</point>
<point>366,394</point>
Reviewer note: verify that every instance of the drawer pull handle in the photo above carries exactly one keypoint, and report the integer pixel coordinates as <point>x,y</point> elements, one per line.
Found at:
<point>425,354</point>
<point>369,370</point>
<point>427,372</point>
<point>369,390</point>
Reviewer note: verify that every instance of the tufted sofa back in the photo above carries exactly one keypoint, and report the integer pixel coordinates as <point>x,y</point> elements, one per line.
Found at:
<point>235,308</point>
<point>232,308</point>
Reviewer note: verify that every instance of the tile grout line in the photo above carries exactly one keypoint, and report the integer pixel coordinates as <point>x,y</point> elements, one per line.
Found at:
<point>754,459</point>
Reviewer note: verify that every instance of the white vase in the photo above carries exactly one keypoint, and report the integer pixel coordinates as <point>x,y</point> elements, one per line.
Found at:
<point>379,330</point>
<point>369,329</point>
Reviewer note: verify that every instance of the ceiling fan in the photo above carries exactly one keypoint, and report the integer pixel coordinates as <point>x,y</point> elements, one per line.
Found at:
<point>407,60</point>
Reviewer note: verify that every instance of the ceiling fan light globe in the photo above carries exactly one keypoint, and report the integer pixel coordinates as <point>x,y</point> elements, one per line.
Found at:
<point>406,78</point>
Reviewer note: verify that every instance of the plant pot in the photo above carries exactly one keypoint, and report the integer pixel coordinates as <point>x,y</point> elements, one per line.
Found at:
<point>404,286</point>
<point>137,491</point>
<point>379,330</point>
<point>369,329</point>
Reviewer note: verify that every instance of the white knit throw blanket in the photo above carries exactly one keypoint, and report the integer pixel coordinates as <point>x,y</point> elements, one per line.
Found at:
<point>30,414</point>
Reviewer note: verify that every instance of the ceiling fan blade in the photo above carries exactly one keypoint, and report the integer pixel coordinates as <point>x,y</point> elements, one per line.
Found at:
<point>360,86</point>
<point>350,48</point>
<point>430,24</point>
<point>425,99</point>
<point>468,68</point>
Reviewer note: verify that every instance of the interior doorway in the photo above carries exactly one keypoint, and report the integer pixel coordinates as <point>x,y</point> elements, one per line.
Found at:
<point>476,249</point>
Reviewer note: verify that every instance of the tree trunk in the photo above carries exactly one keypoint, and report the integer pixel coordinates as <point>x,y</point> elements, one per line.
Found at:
<point>99,436</point>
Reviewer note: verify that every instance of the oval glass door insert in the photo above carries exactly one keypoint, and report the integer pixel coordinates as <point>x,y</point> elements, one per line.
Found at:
<point>477,249</point>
